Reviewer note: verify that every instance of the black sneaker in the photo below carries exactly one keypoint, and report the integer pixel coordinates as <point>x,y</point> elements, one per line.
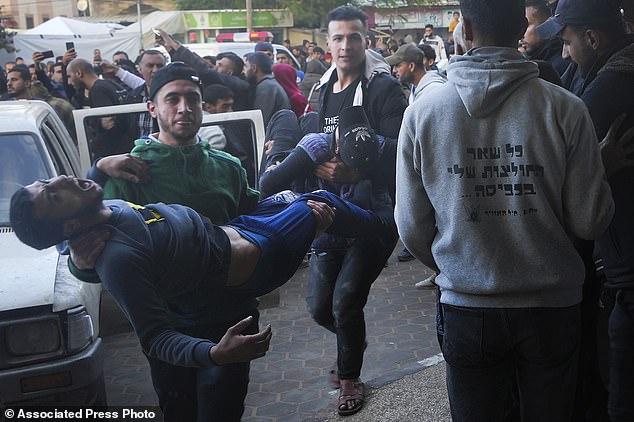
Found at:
<point>405,256</point>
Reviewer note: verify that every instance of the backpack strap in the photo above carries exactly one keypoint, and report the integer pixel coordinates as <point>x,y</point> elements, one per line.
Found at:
<point>150,215</point>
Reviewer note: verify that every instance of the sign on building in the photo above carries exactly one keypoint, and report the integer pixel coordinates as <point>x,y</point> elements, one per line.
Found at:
<point>414,19</point>
<point>238,19</point>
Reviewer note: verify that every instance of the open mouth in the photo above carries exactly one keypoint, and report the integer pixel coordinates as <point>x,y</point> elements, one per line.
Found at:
<point>84,184</point>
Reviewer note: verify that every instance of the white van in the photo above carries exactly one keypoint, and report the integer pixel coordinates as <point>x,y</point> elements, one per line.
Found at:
<point>51,352</point>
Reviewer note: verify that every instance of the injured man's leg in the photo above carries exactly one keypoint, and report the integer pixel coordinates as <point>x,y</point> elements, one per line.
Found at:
<point>271,242</point>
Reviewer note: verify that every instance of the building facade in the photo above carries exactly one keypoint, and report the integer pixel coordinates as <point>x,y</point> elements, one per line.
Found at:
<point>28,14</point>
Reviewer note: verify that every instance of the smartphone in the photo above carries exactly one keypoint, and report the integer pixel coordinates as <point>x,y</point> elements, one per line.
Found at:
<point>70,45</point>
<point>47,54</point>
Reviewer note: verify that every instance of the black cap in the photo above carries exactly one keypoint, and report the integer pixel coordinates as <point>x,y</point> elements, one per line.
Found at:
<point>175,71</point>
<point>581,13</point>
<point>358,147</point>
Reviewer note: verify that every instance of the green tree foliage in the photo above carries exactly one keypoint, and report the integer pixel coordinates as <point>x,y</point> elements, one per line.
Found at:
<point>306,13</point>
<point>6,36</point>
<point>311,13</point>
<point>225,4</point>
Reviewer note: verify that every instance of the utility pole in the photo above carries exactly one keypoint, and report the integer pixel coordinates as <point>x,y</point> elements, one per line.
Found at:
<point>138,14</point>
<point>249,16</point>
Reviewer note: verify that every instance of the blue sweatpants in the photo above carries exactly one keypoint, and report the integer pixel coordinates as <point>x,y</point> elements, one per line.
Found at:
<point>284,232</point>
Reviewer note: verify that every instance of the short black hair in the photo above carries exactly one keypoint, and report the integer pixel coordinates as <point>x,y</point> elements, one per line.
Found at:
<point>210,59</point>
<point>347,13</point>
<point>215,92</point>
<point>238,63</point>
<point>152,53</point>
<point>319,50</point>
<point>121,52</point>
<point>428,52</point>
<point>262,61</point>
<point>500,21</point>
<point>34,232</point>
<point>542,11</point>
<point>23,71</point>
<point>429,25</point>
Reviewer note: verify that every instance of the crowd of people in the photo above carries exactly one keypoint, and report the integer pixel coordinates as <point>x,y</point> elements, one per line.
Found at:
<point>502,159</point>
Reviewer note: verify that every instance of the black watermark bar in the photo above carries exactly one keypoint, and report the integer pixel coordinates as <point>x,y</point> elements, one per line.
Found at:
<point>80,414</point>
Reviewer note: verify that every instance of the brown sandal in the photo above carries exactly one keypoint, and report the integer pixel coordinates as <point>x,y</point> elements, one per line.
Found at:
<point>333,376</point>
<point>351,391</point>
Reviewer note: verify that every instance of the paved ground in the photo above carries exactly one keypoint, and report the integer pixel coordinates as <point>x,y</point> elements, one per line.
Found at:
<point>419,397</point>
<point>291,382</point>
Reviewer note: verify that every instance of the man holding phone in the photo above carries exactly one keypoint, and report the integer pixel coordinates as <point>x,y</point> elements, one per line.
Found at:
<point>56,89</point>
<point>47,54</point>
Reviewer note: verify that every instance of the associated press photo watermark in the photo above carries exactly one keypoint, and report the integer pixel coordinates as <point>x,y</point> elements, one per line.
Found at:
<point>81,414</point>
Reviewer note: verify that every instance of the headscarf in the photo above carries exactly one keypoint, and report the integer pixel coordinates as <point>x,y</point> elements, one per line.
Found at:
<point>286,76</point>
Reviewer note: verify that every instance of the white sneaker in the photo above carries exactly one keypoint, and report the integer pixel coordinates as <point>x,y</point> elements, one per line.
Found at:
<point>427,283</point>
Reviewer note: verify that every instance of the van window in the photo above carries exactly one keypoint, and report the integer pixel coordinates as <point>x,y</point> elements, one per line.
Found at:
<point>55,142</point>
<point>22,161</point>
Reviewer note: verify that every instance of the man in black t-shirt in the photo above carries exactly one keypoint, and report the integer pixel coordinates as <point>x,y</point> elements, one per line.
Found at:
<point>111,133</point>
<point>359,77</point>
<point>340,280</point>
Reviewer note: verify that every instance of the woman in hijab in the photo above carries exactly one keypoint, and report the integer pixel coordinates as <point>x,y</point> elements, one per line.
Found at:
<point>286,76</point>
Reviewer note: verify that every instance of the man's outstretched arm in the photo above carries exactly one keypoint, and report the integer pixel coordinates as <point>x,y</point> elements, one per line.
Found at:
<point>130,281</point>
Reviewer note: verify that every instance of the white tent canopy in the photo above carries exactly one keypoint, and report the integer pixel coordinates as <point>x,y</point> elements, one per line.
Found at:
<point>64,26</point>
<point>171,22</point>
<point>53,35</point>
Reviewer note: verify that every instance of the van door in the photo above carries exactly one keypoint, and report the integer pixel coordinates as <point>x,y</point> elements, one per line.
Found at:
<point>251,119</point>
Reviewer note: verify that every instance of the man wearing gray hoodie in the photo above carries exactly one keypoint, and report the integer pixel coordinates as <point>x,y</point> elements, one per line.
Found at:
<point>409,66</point>
<point>494,209</point>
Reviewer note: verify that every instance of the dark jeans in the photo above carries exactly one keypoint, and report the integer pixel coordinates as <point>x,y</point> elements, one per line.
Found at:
<point>338,286</point>
<point>485,348</point>
<point>621,329</point>
<point>203,394</point>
